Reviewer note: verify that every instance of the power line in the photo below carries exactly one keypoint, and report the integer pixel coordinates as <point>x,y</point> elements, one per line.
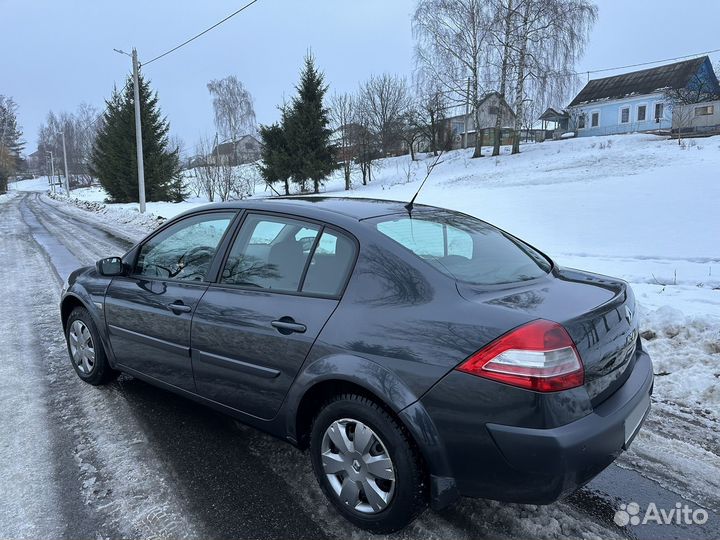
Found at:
<point>200,34</point>
<point>649,63</point>
<point>591,71</point>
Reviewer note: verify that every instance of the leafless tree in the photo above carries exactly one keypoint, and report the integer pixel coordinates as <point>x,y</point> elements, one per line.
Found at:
<point>431,107</point>
<point>342,118</point>
<point>697,90</point>
<point>175,142</point>
<point>384,101</point>
<point>80,129</point>
<point>682,116</point>
<point>412,133</point>
<point>452,42</point>
<point>551,36</point>
<point>504,33</point>
<point>233,108</point>
<point>246,177</point>
<point>366,145</point>
<point>220,179</point>
<point>207,175</point>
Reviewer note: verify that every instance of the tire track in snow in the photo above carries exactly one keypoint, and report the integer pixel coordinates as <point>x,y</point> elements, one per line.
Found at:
<point>88,246</point>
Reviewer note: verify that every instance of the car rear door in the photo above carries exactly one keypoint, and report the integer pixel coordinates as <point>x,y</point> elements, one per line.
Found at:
<point>281,281</point>
<point>149,311</point>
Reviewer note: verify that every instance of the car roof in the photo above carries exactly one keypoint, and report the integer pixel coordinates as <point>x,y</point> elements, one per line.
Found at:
<point>318,207</point>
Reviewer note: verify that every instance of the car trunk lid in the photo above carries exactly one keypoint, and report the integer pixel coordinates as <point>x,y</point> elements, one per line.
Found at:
<point>597,311</point>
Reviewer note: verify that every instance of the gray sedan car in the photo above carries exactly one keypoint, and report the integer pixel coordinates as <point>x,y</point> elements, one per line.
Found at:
<point>419,354</point>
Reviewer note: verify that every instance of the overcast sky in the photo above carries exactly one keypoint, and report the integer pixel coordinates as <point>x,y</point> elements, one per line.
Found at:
<point>57,54</point>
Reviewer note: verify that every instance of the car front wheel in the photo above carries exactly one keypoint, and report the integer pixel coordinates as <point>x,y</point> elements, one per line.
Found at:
<point>86,351</point>
<point>367,465</point>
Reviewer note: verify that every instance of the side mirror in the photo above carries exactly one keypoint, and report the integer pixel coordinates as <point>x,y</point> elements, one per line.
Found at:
<point>110,266</point>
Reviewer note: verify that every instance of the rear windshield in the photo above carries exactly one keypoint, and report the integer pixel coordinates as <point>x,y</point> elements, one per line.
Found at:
<point>465,248</point>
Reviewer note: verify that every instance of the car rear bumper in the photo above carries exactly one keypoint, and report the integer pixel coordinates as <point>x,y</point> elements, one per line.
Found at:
<point>558,461</point>
<point>541,465</point>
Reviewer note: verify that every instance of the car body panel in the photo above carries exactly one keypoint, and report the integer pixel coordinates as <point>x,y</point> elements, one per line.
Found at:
<point>239,359</point>
<point>145,334</point>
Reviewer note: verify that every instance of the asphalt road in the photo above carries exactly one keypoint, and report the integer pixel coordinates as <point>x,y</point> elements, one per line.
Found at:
<point>129,460</point>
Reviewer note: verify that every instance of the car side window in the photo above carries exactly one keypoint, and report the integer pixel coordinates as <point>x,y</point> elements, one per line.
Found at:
<point>330,264</point>
<point>185,249</point>
<point>270,252</point>
<point>429,239</point>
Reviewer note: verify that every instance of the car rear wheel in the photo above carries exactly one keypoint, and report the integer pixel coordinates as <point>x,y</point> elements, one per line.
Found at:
<point>367,465</point>
<point>85,348</point>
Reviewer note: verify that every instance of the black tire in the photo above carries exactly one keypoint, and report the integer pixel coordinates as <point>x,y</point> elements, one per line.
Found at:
<point>100,371</point>
<point>410,494</point>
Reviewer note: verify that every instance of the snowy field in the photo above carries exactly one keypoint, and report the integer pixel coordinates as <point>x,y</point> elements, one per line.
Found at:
<point>639,207</point>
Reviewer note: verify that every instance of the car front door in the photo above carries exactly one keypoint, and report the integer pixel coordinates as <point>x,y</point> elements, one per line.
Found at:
<point>149,311</point>
<point>252,330</point>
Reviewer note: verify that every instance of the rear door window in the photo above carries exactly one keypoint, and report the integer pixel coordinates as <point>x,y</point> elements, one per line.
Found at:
<point>270,252</point>
<point>289,255</point>
<point>330,265</point>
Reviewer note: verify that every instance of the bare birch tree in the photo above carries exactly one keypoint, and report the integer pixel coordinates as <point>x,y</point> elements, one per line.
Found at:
<point>551,37</point>
<point>233,107</point>
<point>504,34</point>
<point>452,39</point>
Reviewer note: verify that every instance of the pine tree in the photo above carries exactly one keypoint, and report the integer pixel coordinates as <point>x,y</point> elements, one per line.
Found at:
<point>11,143</point>
<point>273,167</point>
<point>307,133</point>
<point>114,156</point>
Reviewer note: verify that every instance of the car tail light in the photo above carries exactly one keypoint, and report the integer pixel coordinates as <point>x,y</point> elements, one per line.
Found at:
<point>539,356</point>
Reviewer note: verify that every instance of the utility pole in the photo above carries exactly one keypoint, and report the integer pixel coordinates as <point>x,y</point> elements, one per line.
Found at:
<point>67,178</point>
<point>138,134</point>
<point>467,114</point>
<point>138,128</point>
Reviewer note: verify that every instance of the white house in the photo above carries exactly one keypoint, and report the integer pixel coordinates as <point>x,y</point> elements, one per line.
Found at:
<point>638,101</point>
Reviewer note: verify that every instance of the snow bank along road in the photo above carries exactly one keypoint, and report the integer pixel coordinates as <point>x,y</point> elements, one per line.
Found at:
<point>129,460</point>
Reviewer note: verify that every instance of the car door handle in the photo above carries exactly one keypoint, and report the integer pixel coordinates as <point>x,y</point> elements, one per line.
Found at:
<point>286,325</point>
<point>178,307</point>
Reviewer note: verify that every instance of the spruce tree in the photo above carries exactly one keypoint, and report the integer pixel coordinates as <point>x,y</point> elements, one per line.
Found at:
<point>310,154</point>
<point>11,143</point>
<point>114,156</point>
<point>273,166</point>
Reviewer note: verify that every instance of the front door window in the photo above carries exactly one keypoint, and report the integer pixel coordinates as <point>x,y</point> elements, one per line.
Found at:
<point>184,250</point>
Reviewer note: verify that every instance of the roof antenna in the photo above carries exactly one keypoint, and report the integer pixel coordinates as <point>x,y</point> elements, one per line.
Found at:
<point>409,206</point>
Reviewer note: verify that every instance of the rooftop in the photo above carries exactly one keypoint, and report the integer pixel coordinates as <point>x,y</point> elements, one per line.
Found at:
<point>309,206</point>
<point>645,81</point>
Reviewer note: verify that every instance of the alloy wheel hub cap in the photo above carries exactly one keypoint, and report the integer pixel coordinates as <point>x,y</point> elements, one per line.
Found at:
<point>358,466</point>
<point>82,348</point>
